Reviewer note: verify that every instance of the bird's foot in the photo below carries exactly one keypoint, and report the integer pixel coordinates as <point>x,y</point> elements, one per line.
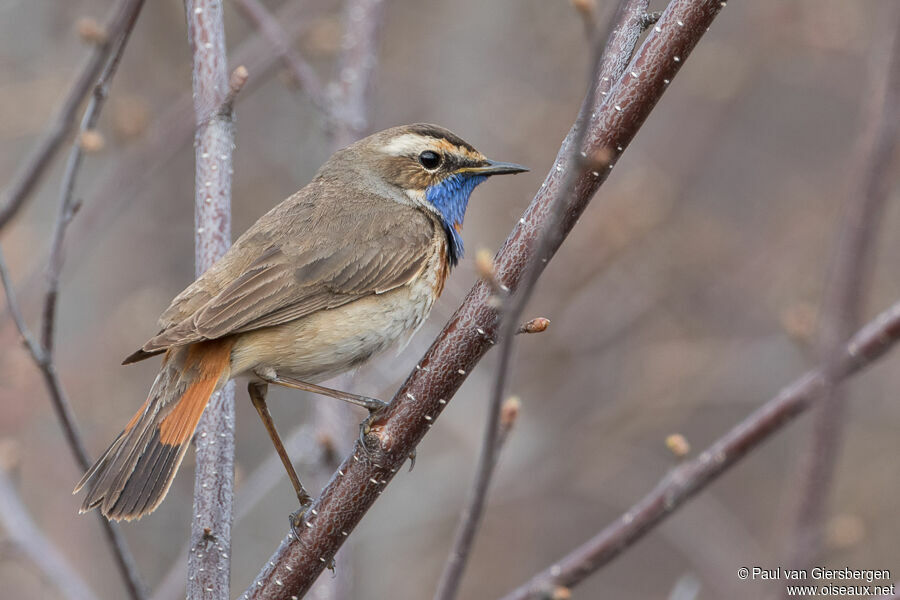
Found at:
<point>366,427</point>
<point>376,410</point>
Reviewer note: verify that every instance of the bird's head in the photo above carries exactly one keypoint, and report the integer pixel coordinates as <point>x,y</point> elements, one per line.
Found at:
<point>433,169</point>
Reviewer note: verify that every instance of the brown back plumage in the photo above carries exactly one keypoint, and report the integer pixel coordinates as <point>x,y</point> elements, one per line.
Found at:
<point>323,247</point>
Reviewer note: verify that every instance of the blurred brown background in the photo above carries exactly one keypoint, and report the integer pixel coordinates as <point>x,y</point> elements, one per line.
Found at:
<point>685,297</point>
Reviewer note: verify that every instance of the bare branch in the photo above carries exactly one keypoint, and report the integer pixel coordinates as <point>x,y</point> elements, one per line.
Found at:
<point>845,295</point>
<point>140,162</point>
<point>350,90</point>
<point>28,539</point>
<point>34,167</point>
<point>868,345</point>
<point>60,401</point>
<point>67,208</point>
<point>625,25</point>
<point>68,205</point>
<point>209,563</point>
<point>311,455</point>
<point>42,353</point>
<point>470,332</point>
<point>302,71</point>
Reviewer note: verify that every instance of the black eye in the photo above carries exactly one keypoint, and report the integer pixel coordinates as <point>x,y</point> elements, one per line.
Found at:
<point>430,160</point>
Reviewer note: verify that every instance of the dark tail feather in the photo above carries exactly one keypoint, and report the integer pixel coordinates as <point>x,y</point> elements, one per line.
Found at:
<point>133,476</point>
<point>139,356</point>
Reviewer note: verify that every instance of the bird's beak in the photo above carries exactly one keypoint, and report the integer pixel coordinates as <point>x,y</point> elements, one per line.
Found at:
<point>494,167</point>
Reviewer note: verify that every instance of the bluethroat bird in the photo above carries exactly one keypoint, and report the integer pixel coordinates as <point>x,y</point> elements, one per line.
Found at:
<point>346,267</point>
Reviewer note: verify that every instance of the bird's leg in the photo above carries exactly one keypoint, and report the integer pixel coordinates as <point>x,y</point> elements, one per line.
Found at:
<point>257,392</point>
<point>372,404</point>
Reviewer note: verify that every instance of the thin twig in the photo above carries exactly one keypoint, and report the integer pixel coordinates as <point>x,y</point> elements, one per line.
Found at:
<point>34,167</point>
<point>209,562</point>
<point>845,296</point>
<point>302,71</point>
<point>42,352</point>
<point>468,336</point>
<point>603,70</point>
<point>303,444</point>
<point>348,118</point>
<point>60,401</point>
<point>24,534</point>
<point>139,163</point>
<point>68,205</point>
<point>868,345</point>
<point>67,208</point>
<point>350,89</point>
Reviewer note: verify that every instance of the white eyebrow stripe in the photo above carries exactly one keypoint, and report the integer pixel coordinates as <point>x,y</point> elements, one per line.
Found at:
<point>407,144</point>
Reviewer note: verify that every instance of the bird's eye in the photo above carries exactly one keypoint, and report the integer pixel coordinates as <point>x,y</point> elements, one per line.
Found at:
<point>430,160</point>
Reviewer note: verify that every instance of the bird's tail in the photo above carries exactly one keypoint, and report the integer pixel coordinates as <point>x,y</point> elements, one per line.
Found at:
<point>133,476</point>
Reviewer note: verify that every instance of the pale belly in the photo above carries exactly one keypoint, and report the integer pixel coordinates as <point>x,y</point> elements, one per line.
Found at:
<point>329,342</point>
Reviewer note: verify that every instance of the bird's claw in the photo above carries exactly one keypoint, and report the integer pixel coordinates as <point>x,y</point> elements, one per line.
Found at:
<point>366,426</point>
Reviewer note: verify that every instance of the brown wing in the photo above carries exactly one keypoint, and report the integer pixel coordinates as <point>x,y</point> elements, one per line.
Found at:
<point>301,257</point>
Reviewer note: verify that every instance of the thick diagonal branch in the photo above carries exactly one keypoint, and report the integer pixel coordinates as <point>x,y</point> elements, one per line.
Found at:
<point>608,62</point>
<point>472,329</point>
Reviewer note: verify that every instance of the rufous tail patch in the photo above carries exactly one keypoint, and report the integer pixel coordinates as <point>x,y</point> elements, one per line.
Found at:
<point>203,367</point>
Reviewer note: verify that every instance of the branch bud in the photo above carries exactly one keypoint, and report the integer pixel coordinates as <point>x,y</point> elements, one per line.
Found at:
<point>561,593</point>
<point>91,141</point>
<point>238,78</point>
<point>484,264</point>
<point>678,445</point>
<point>536,325</point>
<point>586,8</point>
<point>509,412</point>
<point>90,31</point>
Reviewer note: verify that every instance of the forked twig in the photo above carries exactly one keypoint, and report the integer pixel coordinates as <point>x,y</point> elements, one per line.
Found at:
<point>41,351</point>
<point>30,173</point>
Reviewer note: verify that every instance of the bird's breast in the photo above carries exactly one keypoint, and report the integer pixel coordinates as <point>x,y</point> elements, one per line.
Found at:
<point>329,342</point>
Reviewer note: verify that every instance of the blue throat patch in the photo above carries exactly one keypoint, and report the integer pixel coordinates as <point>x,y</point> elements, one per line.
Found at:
<point>450,197</point>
